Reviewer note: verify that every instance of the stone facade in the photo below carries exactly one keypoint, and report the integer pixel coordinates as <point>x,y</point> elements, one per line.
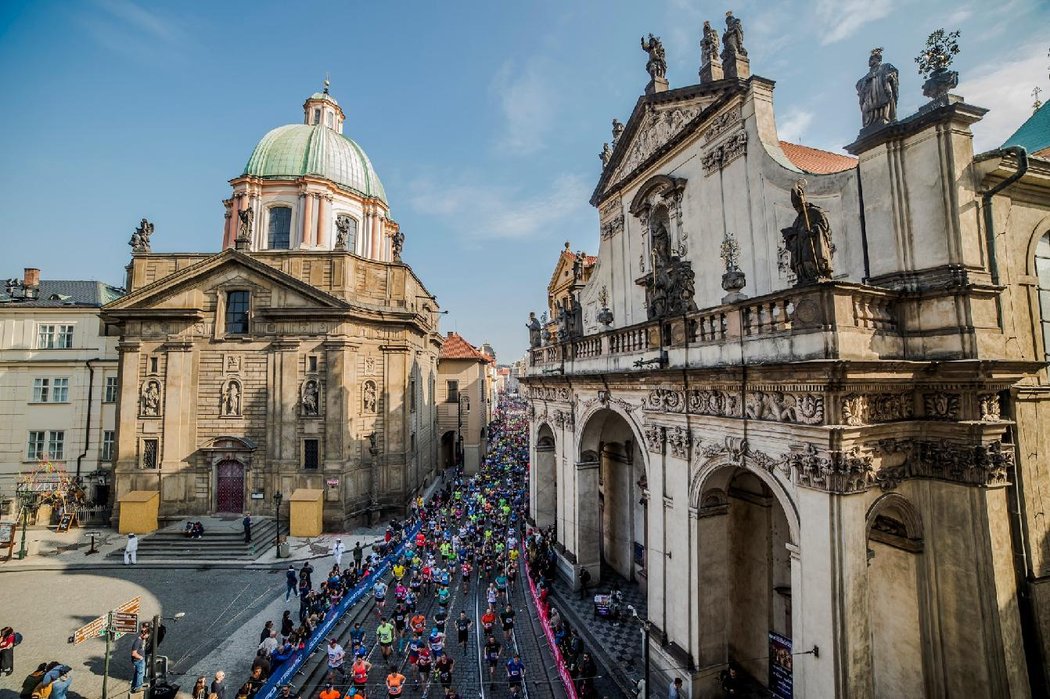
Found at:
<point>839,462</point>
<point>335,345</point>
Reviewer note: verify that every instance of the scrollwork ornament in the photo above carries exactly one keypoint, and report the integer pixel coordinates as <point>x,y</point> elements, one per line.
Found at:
<point>654,439</point>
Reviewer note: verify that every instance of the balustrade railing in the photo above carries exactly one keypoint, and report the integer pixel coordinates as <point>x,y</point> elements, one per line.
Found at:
<point>819,308</point>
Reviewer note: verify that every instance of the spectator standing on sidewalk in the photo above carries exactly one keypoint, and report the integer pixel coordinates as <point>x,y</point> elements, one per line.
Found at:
<point>291,582</point>
<point>358,554</point>
<point>131,550</point>
<point>218,685</point>
<point>138,659</point>
<point>7,650</point>
<point>247,524</point>
<point>338,548</point>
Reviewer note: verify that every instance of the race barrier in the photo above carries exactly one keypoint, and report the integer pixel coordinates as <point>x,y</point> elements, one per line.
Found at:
<point>559,662</point>
<point>286,671</point>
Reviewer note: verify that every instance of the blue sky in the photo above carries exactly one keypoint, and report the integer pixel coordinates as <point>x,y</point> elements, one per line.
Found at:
<point>483,119</point>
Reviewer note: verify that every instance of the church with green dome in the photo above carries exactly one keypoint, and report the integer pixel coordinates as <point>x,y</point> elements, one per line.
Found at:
<point>310,187</point>
<point>300,361</point>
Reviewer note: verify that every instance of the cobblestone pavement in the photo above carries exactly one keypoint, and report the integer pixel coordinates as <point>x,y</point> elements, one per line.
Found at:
<point>47,606</point>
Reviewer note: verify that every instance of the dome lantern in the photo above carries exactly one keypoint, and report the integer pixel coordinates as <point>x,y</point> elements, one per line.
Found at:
<point>321,109</point>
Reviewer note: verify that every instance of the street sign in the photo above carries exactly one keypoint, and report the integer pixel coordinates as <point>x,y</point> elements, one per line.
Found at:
<point>97,627</point>
<point>124,622</point>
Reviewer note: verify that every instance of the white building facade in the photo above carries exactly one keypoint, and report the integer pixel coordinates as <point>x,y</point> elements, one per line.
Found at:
<point>812,459</point>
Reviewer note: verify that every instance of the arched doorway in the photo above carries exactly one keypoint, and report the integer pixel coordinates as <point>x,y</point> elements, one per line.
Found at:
<point>448,449</point>
<point>744,574</point>
<point>895,569</point>
<point>545,478</point>
<point>229,486</point>
<point>611,507</point>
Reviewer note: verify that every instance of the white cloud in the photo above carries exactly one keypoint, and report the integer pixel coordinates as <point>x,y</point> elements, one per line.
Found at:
<point>793,124</point>
<point>527,99</point>
<point>841,18</point>
<point>481,210</point>
<point>1007,91</point>
<point>133,30</point>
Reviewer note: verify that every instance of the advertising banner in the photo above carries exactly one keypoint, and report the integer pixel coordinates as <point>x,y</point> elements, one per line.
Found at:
<point>779,666</point>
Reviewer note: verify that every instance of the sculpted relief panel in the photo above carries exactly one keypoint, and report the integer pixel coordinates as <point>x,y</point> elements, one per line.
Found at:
<point>658,127</point>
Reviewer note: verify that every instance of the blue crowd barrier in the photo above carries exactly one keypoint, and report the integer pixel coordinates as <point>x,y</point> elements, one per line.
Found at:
<point>287,670</point>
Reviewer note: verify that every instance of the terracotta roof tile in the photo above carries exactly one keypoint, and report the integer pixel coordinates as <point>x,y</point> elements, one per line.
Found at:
<point>819,162</point>
<point>456,347</point>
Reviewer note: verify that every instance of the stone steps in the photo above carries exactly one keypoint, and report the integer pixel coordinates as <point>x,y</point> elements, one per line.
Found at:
<point>215,546</point>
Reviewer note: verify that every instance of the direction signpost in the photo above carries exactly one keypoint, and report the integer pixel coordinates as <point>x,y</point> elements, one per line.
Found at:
<point>113,624</point>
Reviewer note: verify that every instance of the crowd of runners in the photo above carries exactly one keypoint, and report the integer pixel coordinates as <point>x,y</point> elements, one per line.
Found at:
<point>444,617</point>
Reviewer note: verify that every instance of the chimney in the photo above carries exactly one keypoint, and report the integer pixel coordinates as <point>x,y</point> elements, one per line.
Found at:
<point>31,278</point>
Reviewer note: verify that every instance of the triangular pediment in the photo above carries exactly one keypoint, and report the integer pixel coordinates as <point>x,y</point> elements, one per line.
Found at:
<point>188,288</point>
<point>564,264</point>
<point>658,122</point>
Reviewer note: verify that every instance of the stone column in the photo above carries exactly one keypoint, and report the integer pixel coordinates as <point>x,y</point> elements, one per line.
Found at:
<point>323,224</point>
<point>587,545</point>
<point>308,207</point>
<point>283,394</point>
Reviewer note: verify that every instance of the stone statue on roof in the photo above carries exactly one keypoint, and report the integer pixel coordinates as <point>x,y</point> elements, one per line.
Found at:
<point>140,238</point>
<point>397,243</point>
<point>878,92</point>
<point>247,218</point>
<point>606,155</point>
<point>617,130</point>
<point>709,44</point>
<point>808,239</point>
<point>733,39</point>
<point>342,236</point>
<point>534,330</point>
<point>657,63</point>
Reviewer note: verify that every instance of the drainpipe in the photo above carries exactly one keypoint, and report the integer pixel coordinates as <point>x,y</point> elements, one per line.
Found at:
<point>986,204</point>
<point>87,420</point>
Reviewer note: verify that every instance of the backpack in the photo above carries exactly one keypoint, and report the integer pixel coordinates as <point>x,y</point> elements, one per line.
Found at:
<point>18,638</point>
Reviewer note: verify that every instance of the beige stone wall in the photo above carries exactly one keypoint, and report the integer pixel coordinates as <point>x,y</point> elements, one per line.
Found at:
<point>361,362</point>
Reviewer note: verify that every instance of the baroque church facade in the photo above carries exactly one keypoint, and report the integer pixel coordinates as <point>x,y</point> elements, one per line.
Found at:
<point>303,355</point>
<point>805,409</point>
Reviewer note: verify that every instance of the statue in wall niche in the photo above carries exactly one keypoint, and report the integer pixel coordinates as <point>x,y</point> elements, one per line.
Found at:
<point>369,397</point>
<point>808,239</point>
<point>151,399</point>
<point>670,286</point>
<point>140,238</point>
<point>311,398</point>
<point>534,330</point>
<point>656,66</point>
<point>878,92</point>
<point>231,399</point>
<point>733,39</point>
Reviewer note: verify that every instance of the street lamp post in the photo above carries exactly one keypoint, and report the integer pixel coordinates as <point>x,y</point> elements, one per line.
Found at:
<point>277,497</point>
<point>154,640</point>
<point>644,624</point>
<point>26,500</point>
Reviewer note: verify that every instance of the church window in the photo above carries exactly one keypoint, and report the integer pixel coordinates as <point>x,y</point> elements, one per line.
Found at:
<point>310,454</point>
<point>1042,271</point>
<point>317,116</point>
<point>154,363</point>
<point>328,120</point>
<point>311,363</point>
<point>150,453</point>
<point>237,303</point>
<point>280,228</point>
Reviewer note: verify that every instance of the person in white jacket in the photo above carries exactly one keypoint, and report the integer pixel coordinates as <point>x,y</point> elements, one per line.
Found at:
<point>338,547</point>
<point>131,550</point>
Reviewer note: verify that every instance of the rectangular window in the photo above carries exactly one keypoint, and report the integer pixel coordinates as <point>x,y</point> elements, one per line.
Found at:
<point>453,391</point>
<point>54,336</point>
<point>280,231</point>
<point>317,116</point>
<point>412,442</point>
<point>108,440</point>
<point>154,364</point>
<point>311,363</point>
<point>111,390</point>
<point>412,395</point>
<point>310,454</point>
<point>49,444</point>
<point>150,453</point>
<point>237,303</point>
<point>60,391</point>
<point>50,390</point>
<point>41,390</point>
<point>35,449</point>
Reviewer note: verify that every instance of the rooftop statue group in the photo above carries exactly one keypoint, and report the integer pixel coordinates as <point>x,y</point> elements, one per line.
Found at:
<point>140,238</point>
<point>878,92</point>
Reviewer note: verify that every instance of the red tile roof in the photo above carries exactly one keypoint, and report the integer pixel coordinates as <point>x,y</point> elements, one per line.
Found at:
<point>588,260</point>
<point>819,162</point>
<point>456,347</point>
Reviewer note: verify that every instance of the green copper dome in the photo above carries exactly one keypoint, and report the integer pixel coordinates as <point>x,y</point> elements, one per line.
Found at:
<point>295,150</point>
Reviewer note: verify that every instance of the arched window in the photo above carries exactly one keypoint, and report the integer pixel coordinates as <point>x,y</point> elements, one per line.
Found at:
<point>280,228</point>
<point>1042,271</point>
<point>346,237</point>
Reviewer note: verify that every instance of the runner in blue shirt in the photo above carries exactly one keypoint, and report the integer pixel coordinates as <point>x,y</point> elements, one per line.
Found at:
<point>515,674</point>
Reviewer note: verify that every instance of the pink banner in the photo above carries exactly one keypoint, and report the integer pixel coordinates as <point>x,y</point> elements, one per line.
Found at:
<point>566,678</point>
